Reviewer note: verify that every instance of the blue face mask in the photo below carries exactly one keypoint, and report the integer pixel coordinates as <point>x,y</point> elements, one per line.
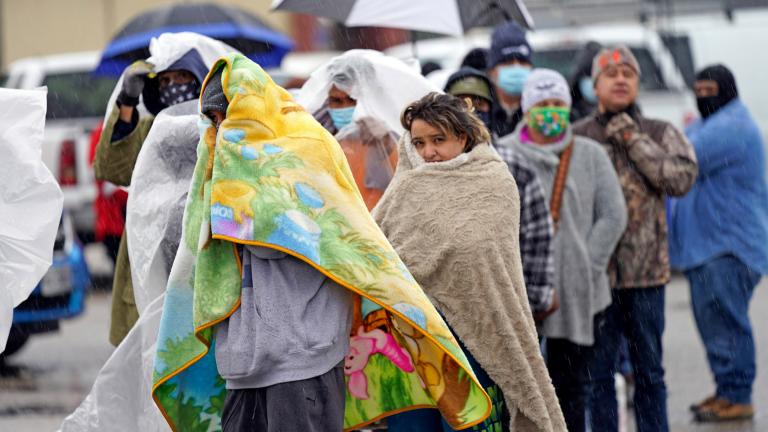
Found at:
<point>587,89</point>
<point>512,78</point>
<point>341,116</point>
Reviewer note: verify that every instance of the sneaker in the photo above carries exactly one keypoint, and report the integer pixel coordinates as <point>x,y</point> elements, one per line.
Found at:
<point>721,411</point>
<point>702,404</point>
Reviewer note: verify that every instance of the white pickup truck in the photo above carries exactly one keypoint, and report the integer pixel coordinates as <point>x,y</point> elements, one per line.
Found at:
<point>76,104</point>
<point>663,93</point>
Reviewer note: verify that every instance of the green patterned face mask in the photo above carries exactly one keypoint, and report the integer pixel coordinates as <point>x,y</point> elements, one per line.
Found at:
<point>549,121</point>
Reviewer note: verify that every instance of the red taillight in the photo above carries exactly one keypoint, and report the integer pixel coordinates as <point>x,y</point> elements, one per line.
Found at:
<point>67,164</point>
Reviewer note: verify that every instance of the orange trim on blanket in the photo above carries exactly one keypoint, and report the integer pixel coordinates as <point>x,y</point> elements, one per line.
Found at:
<point>345,285</point>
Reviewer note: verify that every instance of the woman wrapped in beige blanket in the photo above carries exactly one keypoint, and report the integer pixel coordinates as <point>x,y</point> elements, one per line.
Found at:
<point>452,213</point>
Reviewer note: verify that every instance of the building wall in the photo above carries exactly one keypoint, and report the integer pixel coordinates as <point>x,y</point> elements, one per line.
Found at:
<point>42,27</point>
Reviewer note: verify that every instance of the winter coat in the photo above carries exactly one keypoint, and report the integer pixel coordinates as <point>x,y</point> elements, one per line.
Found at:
<point>653,161</point>
<point>593,216</point>
<point>503,122</point>
<point>726,212</point>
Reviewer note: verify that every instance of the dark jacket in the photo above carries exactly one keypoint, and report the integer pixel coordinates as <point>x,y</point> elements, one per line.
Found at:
<point>653,161</point>
<point>503,123</point>
<point>582,68</point>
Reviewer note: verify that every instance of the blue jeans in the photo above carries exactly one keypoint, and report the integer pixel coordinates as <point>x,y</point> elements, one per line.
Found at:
<point>720,293</point>
<point>638,314</point>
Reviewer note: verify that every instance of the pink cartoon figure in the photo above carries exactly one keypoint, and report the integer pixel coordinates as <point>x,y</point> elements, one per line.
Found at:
<point>361,347</point>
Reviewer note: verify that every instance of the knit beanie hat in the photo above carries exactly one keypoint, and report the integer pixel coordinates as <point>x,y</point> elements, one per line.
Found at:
<point>544,84</point>
<point>508,42</point>
<point>476,58</point>
<point>617,55</point>
<point>213,98</point>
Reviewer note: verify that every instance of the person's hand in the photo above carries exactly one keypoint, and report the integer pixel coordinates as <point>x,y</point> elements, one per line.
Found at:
<point>553,307</point>
<point>621,128</point>
<point>134,78</point>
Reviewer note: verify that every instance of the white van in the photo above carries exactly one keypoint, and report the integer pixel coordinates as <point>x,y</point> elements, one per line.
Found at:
<point>76,104</point>
<point>663,94</point>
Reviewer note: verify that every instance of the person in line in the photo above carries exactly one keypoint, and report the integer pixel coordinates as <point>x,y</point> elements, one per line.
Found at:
<point>287,308</point>
<point>580,82</point>
<point>653,160</point>
<point>509,64</point>
<point>452,213</point>
<point>536,229</point>
<point>719,238</point>
<point>282,297</point>
<point>476,58</point>
<point>588,208</point>
<point>177,80</point>
<point>358,97</point>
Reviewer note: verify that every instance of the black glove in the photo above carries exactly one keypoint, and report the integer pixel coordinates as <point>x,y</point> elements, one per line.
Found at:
<point>134,78</point>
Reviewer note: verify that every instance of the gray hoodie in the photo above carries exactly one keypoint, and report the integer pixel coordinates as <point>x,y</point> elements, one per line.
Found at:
<point>593,216</point>
<point>293,323</point>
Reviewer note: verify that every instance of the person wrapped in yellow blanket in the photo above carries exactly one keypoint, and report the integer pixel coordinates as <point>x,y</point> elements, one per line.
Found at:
<point>286,304</point>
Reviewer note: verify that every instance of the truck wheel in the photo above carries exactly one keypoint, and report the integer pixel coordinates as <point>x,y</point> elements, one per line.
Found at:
<point>16,339</point>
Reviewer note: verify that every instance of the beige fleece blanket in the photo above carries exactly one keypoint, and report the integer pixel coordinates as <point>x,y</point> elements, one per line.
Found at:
<point>455,225</point>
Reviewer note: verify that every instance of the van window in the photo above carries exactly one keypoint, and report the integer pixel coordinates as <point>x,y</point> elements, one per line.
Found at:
<point>561,60</point>
<point>77,95</point>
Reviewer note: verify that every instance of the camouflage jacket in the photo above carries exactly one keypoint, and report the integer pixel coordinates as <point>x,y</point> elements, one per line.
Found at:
<point>652,159</point>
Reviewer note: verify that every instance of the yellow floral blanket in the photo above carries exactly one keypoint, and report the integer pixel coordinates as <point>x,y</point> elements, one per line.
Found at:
<point>273,177</point>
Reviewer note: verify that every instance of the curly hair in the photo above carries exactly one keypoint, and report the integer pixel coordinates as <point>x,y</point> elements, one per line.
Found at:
<point>449,114</point>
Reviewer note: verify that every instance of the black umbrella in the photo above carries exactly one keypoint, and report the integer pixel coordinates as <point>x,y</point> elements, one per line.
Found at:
<point>452,17</point>
<point>235,27</point>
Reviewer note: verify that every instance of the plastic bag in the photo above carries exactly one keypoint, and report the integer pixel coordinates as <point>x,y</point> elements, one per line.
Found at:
<point>121,398</point>
<point>30,201</point>
<point>159,186</point>
<point>371,152</point>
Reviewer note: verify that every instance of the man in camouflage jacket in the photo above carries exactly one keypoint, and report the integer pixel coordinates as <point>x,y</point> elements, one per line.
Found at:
<point>653,160</point>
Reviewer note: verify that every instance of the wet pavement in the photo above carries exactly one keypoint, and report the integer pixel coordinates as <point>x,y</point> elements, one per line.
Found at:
<point>56,370</point>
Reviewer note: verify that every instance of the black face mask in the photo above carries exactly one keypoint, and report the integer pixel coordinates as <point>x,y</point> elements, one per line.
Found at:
<point>727,91</point>
<point>710,105</point>
<point>486,118</point>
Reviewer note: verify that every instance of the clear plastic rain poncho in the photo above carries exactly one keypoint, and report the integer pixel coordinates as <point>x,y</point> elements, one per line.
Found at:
<point>30,201</point>
<point>162,172</point>
<point>159,188</point>
<point>121,398</point>
<point>382,87</point>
